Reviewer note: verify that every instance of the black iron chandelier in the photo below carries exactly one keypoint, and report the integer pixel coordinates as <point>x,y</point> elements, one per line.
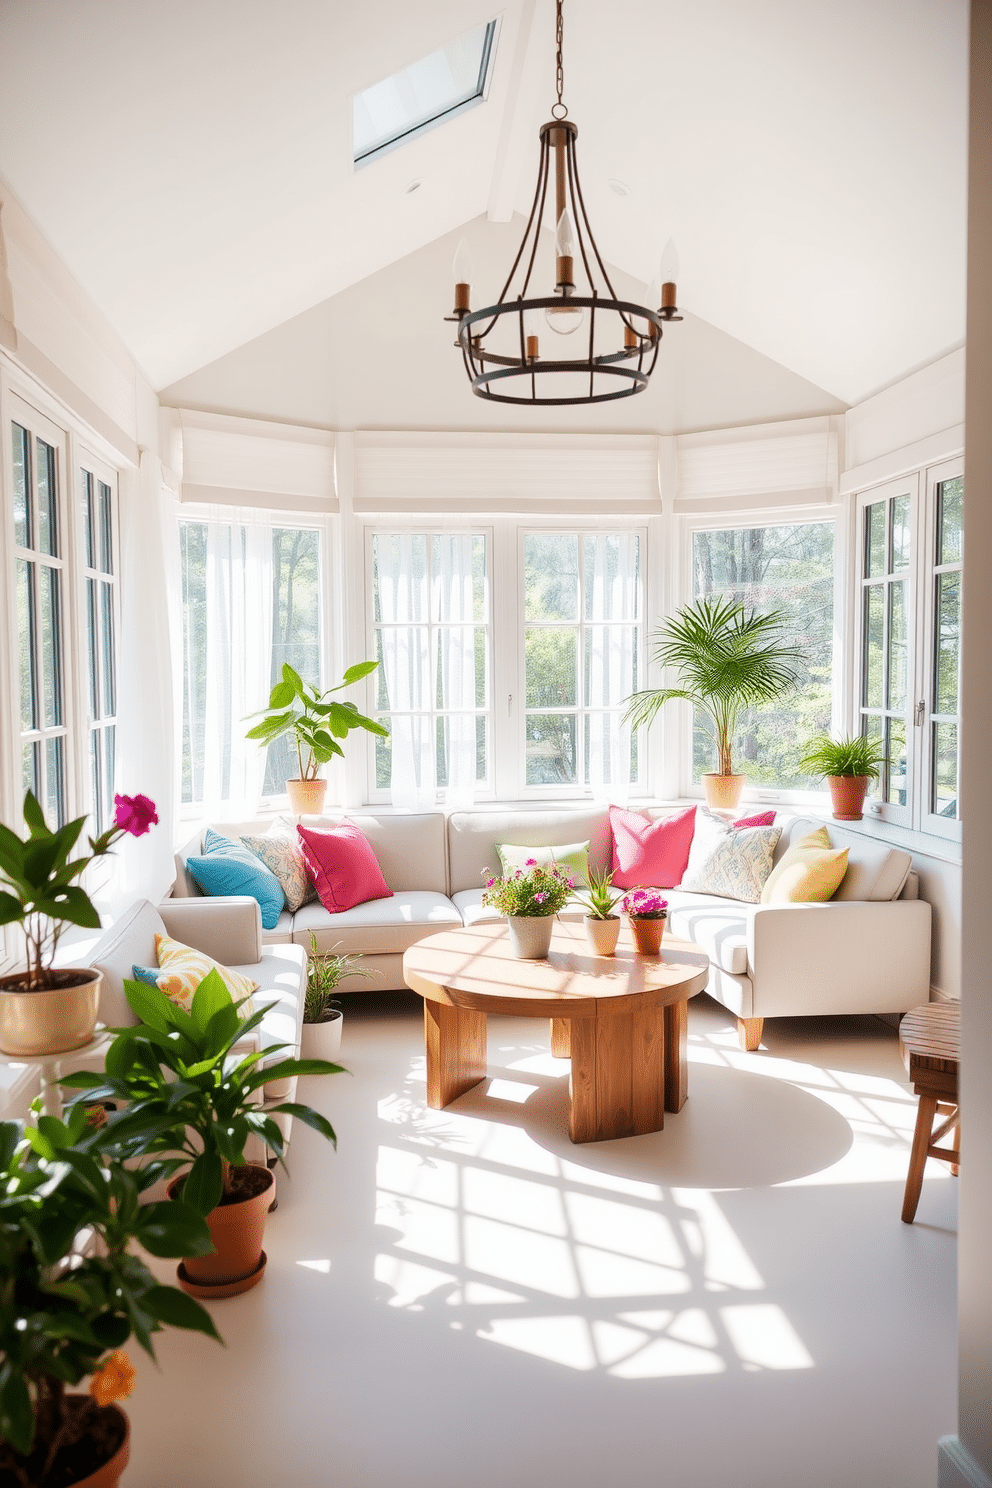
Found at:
<point>501,344</point>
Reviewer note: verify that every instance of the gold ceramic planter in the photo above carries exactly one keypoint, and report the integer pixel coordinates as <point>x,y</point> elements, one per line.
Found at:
<point>52,1020</point>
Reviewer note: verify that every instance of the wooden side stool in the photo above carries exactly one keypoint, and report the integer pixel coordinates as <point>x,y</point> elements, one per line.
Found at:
<point>929,1038</point>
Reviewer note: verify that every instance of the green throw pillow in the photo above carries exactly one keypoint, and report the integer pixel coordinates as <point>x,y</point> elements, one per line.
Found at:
<point>571,855</point>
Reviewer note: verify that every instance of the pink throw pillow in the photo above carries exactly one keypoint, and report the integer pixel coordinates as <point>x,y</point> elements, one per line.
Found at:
<point>343,866</point>
<point>763,819</point>
<point>650,853</point>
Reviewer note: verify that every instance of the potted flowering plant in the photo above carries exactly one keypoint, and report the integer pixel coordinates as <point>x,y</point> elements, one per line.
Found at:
<point>530,897</point>
<point>44,1009</point>
<point>646,911</point>
<point>66,1315</point>
<point>602,925</point>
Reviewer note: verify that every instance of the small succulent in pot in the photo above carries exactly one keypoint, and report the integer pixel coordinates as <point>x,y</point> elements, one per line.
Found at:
<point>599,900</point>
<point>530,891</point>
<point>324,972</point>
<point>645,904</point>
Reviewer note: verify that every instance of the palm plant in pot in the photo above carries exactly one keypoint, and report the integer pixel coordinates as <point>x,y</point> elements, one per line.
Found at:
<point>316,722</point>
<point>46,1009</point>
<point>599,900</point>
<point>529,897</point>
<point>188,1092</point>
<point>726,659</point>
<point>849,765</point>
<point>322,1016</point>
<point>66,1314</point>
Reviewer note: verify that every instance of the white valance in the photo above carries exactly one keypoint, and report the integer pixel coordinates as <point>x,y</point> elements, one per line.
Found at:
<point>772,465</point>
<point>251,462</point>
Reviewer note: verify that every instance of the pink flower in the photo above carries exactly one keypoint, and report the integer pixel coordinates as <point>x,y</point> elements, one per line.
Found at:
<point>134,814</point>
<point>531,863</point>
<point>540,898</point>
<point>490,882</point>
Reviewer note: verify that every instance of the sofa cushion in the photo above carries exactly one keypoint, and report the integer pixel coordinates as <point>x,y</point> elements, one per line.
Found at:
<point>279,850</point>
<point>227,867</point>
<point>409,847</point>
<point>473,835</point>
<point>718,926</point>
<point>131,939</point>
<point>378,926</point>
<point>650,853</point>
<point>810,872</point>
<point>874,872</point>
<point>343,867</point>
<point>573,857</point>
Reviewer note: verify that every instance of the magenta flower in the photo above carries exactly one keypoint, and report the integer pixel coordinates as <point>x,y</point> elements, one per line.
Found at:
<point>531,863</point>
<point>540,898</point>
<point>490,882</point>
<point>134,814</point>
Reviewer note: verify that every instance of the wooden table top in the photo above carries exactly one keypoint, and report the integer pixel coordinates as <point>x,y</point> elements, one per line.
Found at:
<point>475,968</point>
<point>932,1032</point>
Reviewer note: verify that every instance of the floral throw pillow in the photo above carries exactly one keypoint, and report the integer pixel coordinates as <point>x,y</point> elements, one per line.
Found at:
<point>279,850</point>
<point>181,969</point>
<point>738,865</point>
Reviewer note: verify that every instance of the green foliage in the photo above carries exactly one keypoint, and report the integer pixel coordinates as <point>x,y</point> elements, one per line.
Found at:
<point>297,708</point>
<point>856,755</point>
<point>599,899</point>
<point>186,1090</point>
<point>531,891</point>
<point>59,1321</point>
<point>726,659</point>
<point>324,972</point>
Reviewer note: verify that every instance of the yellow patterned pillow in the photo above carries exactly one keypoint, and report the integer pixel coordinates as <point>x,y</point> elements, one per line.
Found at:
<point>809,873</point>
<point>182,969</point>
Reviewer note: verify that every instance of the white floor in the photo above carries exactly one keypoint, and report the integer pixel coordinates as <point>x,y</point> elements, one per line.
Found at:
<point>463,1297</point>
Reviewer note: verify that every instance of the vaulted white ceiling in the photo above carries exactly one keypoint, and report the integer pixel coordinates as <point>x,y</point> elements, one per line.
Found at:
<point>190,161</point>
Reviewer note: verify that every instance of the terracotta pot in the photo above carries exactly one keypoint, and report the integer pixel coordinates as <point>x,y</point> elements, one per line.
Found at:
<point>109,1475</point>
<point>723,792</point>
<point>306,797</point>
<point>52,1021</point>
<point>847,794</point>
<point>237,1231</point>
<point>322,1040</point>
<point>647,934</point>
<point>530,935</point>
<point>602,935</point>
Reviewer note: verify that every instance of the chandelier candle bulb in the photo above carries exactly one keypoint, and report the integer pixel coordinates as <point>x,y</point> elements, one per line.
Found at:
<point>462,270</point>
<point>630,338</point>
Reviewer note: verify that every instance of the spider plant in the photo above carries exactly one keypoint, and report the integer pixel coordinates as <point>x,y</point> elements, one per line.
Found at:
<point>726,658</point>
<point>852,756</point>
<point>324,972</point>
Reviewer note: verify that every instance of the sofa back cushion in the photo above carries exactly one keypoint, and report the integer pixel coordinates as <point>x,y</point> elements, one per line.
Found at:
<point>129,941</point>
<point>473,835</point>
<point>650,852</point>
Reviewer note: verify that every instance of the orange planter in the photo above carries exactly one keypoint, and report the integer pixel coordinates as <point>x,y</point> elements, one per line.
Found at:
<point>237,1231</point>
<point>847,795</point>
<point>723,792</point>
<point>647,934</point>
<point>306,797</point>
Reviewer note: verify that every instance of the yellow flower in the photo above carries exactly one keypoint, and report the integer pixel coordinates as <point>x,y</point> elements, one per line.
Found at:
<point>96,1116</point>
<point>114,1381</point>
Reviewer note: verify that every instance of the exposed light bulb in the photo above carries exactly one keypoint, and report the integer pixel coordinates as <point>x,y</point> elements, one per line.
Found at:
<point>564,318</point>
<point>670,263</point>
<point>565,236</point>
<point>462,267</point>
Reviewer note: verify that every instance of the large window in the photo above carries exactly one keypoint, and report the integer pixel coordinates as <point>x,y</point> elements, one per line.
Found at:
<point>788,568</point>
<point>251,600</point>
<point>910,549</point>
<point>100,581</point>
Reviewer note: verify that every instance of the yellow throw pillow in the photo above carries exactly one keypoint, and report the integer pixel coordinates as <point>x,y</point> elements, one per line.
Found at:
<point>183,969</point>
<point>810,872</point>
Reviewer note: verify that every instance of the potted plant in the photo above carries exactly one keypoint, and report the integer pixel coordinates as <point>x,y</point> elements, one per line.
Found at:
<point>530,897</point>
<point>726,659</point>
<point>44,1009</point>
<point>65,1314</point>
<point>316,722</point>
<point>849,766</point>
<point>646,911</point>
<point>602,925</point>
<point>187,1092</point>
<point>322,1017</point>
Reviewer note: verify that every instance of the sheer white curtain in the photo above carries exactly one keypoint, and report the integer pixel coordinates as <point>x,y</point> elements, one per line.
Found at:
<point>237,633</point>
<point>454,606</point>
<point>611,598</point>
<point>148,671</point>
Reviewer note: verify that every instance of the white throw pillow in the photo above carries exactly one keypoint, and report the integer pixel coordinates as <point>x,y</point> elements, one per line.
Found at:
<point>738,865</point>
<point>710,831</point>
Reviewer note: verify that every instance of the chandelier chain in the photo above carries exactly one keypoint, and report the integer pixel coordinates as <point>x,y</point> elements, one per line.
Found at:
<point>559,65</point>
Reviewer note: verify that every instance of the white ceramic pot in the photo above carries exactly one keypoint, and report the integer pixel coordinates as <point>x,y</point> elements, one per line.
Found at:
<point>530,935</point>
<point>53,1020</point>
<point>602,935</point>
<point>322,1040</point>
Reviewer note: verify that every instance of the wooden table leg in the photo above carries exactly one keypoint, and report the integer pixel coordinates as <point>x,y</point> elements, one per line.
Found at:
<point>918,1156</point>
<point>618,1076</point>
<point>561,1038</point>
<point>455,1043</point>
<point>676,1055</point>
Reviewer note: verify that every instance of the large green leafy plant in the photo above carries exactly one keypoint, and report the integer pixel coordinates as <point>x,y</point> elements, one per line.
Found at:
<point>726,659</point>
<point>63,1315</point>
<point>187,1090</point>
<point>314,719</point>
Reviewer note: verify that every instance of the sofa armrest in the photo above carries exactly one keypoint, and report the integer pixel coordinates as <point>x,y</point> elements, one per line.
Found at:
<point>839,957</point>
<point>226,927</point>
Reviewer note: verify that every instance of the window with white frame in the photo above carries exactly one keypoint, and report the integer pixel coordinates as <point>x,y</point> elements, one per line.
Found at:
<point>251,590</point>
<point>97,508</point>
<point>787,567</point>
<point>910,542</point>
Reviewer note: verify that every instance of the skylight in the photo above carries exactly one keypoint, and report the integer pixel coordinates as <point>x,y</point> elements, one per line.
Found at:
<point>446,82</point>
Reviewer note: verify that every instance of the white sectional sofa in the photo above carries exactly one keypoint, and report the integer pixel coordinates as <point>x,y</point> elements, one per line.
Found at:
<point>865,951</point>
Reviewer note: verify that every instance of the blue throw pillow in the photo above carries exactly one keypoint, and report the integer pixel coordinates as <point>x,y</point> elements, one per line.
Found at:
<point>149,974</point>
<point>226,867</point>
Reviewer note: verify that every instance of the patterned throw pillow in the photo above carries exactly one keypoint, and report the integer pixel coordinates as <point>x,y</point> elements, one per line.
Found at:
<point>279,850</point>
<point>738,865</point>
<point>573,857</point>
<point>182,969</point>
<point>809,873</point>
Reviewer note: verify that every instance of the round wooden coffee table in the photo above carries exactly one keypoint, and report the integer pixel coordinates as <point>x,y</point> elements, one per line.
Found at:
<point>621,1019</point>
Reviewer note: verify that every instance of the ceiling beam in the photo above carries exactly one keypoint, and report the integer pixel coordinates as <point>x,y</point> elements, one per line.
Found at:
<point>517,115</point>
